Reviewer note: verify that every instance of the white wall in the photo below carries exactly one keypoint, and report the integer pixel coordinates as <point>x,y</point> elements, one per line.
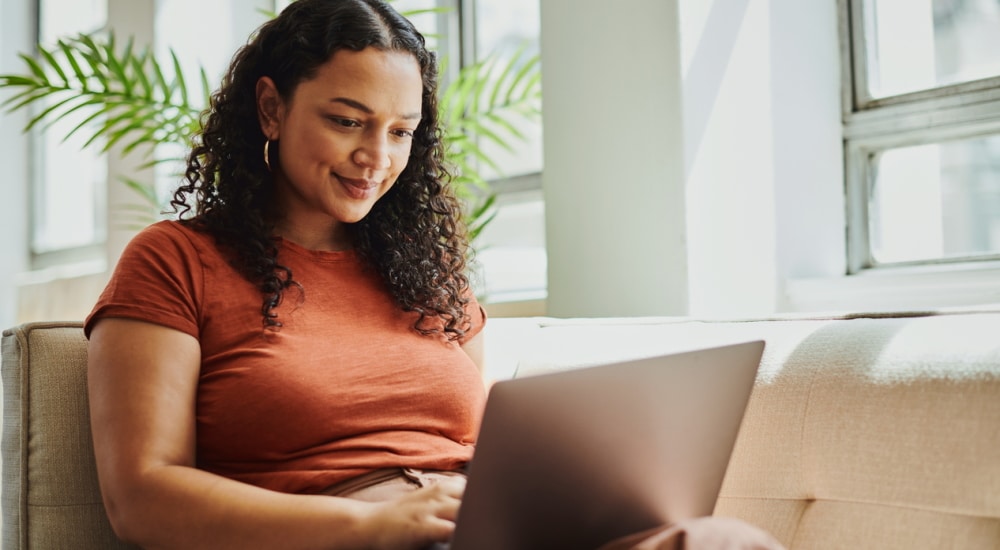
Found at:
<point>14,28</point>
<point>729,155</point>
<point>763,150</point>
<point>808,160</point>
<point>692,154</point>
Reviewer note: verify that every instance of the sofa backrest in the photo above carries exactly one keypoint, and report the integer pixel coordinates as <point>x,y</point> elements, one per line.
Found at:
<point>50,495</point>
<point>868,431</point>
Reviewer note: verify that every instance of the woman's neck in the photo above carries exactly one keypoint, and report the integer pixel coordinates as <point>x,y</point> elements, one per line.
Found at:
<point>332,237</point>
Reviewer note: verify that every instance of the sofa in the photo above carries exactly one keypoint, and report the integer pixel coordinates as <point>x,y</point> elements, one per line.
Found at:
<point>862,431</point>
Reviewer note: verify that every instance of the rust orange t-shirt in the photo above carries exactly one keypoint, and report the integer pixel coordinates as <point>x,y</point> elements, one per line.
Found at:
<point>346,386</point>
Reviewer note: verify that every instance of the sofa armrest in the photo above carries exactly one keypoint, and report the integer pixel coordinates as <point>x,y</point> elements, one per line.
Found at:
<point>51,497</point>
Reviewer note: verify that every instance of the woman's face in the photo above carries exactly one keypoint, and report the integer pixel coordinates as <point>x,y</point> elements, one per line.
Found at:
<point>344,136</point>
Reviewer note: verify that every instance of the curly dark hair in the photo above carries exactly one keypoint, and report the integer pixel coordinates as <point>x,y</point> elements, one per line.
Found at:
<point>414,237</point>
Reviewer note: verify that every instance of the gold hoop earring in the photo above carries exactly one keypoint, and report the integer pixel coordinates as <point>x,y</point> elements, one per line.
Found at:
<point>267,154</point>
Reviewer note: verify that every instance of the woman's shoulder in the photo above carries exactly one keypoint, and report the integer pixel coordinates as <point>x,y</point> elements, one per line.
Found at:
<point>173,235</point>
<point>172,230</point>
<point>172,245</point>
<point>159,277</point>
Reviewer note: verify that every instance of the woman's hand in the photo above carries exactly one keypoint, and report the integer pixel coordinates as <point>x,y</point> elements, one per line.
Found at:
<point>417,519</point>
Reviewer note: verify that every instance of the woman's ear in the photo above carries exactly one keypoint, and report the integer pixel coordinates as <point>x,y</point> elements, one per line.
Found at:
<point>269,107</point>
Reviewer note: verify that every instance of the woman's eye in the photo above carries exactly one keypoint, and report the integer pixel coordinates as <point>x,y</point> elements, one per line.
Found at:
<point>403,133</point>
<point>345,122</point>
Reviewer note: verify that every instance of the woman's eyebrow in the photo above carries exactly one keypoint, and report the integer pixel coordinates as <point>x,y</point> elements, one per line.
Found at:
<point>366,109</point>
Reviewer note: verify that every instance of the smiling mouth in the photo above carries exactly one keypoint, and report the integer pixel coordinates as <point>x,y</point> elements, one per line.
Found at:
<point>358,188</point>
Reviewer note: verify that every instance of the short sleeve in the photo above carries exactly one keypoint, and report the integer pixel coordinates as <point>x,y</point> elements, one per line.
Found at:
<point>477,318</point>
<point>159,279</point>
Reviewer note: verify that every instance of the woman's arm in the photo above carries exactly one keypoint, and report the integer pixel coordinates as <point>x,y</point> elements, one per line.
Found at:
<point>475,349</point>
<point>142,384</point>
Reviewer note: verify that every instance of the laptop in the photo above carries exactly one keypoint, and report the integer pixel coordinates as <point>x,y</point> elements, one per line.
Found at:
<point>574,459</point>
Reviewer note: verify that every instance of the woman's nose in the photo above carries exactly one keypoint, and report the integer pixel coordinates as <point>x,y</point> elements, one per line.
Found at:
<point>373,153</point>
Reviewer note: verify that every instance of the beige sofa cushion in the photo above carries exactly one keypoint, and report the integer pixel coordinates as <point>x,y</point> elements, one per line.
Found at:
<point>876,433</point>
<point>50,494</point>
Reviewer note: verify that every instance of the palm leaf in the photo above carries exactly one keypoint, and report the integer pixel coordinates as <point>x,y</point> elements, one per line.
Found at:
<point>179,75</point>
<point>15,80</point>
<point>500,80</point>
<point>84,103</point>
<point>116,67</point>
<point>133,103</point>
<point>70,56</point>
<point>146,191</point>
<point>30,96</point>
<point>91,53</point>
<point>45,114</point>
<point>55,65</point>
<point>94,102</point>
<point>206,88</point>
<point>166,88</point>
<point>482,101</point>
<point>419,11</point>
<point>532,86</point>
<point>138,66</point>
<point>505,125</point>
<point>35,68</point>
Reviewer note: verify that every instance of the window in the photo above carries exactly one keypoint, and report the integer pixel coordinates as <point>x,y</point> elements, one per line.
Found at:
<point>922,131</point>
<point>68,196</point>
<point>511,250</point>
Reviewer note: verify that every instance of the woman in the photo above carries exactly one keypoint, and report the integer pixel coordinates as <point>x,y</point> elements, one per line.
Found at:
<point>296,362</point>
<point>309,321</point>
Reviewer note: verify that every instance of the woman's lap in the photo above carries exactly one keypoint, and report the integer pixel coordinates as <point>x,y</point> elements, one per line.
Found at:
<point>712,532</point>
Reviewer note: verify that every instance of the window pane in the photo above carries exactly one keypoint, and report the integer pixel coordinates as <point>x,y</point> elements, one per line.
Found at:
<point>425,22</point>
<point>503,27</point>
<point>921,44</point>
<point>69,191</point>
<point>69,185</point>
<point>936,201</point>
<point>511,251</point>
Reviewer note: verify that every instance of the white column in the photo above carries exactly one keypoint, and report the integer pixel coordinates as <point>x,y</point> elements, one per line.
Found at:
<point>613,176</point>
<point>729,156</point>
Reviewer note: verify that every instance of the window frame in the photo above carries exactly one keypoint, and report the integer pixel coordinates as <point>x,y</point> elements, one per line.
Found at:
<point>957,111</point>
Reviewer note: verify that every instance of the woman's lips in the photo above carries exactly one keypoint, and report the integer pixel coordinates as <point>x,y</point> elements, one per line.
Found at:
<point>358,188</point>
